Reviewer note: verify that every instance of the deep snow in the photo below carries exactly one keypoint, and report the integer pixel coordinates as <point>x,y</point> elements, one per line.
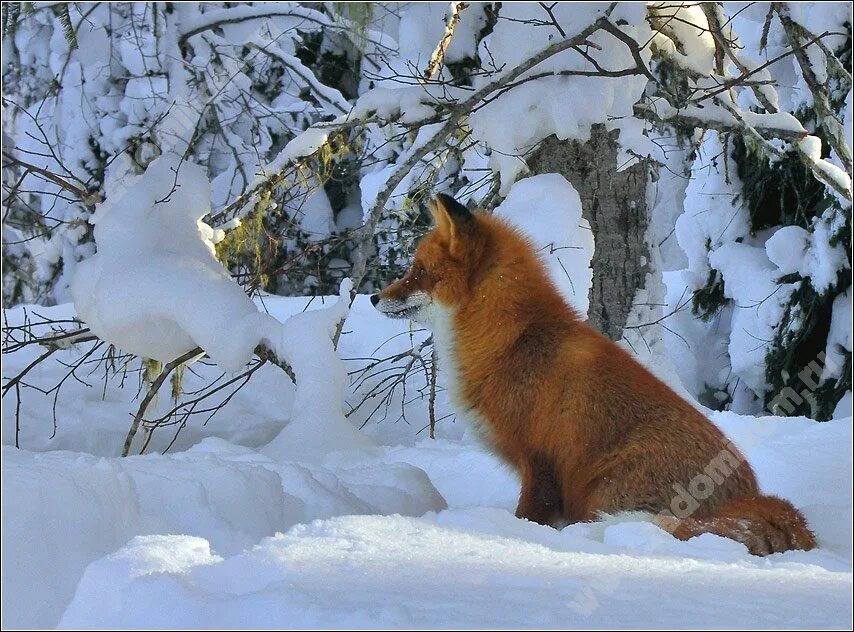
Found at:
<point>408,532</point>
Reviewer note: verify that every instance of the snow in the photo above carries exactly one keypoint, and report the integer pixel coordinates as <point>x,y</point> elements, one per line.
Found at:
<point>848,120</point>
<point>547,209</point>
<point>811,149</point>
<point>686,23</point>
<point>714,113</point>
<point>312,211</point>
<point>839,340</point>
<point>372,572</point>
<point>330,96</point>
<point>421,28</point>
<point>787,247</point>
<point>712,213</point>
<point>409,104</point>
<point>300,146</point>
<point>794,249</point>
<point>750,280</point>
<point>844,407</point>
<point>318,426</point>
<point>821,17</point>
<point>230,495</point>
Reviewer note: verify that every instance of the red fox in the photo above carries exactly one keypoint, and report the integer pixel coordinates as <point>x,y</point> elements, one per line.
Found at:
<point>589,430</point>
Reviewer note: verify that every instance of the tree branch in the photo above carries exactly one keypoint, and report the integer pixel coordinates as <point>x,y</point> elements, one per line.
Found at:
<point>457,113</point>
<point>438,55</point>
<point>821,99</point>
<point>717,119</point>
<point>90,199</point>
<point>152,392</point>
<point>219,17</point>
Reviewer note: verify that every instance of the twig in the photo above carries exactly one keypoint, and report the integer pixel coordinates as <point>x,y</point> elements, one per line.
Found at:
<point>189,406</point>
<point>69,338</point>
<point>267,355</point>
<point>431,401</point>
<point>152,391</point>
<point>549,9</point>
<point>17,415</point>
<point>14,381</point>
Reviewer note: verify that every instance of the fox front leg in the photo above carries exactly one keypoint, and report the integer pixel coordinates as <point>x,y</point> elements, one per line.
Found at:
<point>540,500</point>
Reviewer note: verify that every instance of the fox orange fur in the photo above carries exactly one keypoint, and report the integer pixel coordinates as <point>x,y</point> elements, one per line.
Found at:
<point>589,430</point>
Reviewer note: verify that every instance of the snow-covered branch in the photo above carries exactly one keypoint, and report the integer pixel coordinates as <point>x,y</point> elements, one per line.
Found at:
<point>832,125</point>
<point>717,117</point>
<point>302,16</point>
<point>725,115</point>
<point>438,56</point>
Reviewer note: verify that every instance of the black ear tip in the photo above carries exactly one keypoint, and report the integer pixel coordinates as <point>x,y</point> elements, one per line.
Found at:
<point>454,208</point>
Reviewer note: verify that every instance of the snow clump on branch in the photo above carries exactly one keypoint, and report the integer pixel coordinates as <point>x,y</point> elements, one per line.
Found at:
<point>155,287</point>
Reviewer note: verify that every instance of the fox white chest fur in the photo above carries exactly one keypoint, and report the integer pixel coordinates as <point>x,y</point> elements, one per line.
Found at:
<point>440,320</point>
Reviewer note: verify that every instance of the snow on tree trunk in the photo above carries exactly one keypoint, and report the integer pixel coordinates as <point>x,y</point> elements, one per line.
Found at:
<point>614,202</point>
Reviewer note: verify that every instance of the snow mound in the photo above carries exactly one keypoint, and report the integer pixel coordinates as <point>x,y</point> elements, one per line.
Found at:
<point>548,210</point>
<point>396,572</point>
<point>318,426</point>
<point>155,287</point>
<point>228,495</point>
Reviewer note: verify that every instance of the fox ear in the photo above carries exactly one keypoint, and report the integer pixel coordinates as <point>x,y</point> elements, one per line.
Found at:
<point>451,217</point>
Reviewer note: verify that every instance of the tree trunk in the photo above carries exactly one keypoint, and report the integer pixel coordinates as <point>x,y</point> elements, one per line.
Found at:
<point>615,205</point>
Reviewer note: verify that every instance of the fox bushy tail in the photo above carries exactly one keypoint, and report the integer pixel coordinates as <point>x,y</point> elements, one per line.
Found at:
<point>764,524</point>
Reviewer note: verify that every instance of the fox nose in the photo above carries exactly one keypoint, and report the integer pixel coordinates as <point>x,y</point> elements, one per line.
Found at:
<point>375,298</point>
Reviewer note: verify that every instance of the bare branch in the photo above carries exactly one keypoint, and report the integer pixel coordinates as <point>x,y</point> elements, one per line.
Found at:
<point>15,380</point>
<point>431,402</point>
<point>152,391</point>
<point>87,197</point>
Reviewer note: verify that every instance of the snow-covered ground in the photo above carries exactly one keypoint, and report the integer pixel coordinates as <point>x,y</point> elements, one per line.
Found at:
<point>234,527</point>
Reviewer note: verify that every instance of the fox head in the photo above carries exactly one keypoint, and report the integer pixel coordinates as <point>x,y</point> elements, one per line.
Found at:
<point>440,274</point>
